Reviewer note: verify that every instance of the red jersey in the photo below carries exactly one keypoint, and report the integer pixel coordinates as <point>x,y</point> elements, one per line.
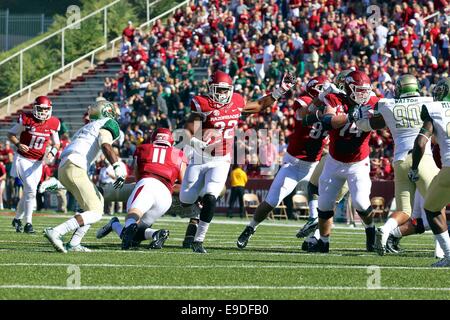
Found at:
<point>222,118</point>
<point>159,162</point>
<point>2,172</point>
<point>306,142</point>
<point>348,144</point>
<point>4,155</point>
<point>36,135</point>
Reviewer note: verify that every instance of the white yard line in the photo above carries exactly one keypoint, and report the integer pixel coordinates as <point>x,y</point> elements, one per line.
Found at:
<point>223,266</point>
<point>230,243</point>
<point>161,287</point>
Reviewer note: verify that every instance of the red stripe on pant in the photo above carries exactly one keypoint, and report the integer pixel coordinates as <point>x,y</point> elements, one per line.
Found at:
<point>137,193</point>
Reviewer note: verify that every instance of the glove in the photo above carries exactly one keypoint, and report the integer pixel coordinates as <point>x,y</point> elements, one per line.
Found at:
<point>286,84</point>
<point>198,144</point>
<point>413,174</point>
<point>360,112</point>
<point>329,87</point>
<point>120,174</point>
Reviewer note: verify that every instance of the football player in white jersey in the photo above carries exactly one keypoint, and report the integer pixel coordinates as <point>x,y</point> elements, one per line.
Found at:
<point>436,120</point>
<point>402,116</point>
<point>87,144</point>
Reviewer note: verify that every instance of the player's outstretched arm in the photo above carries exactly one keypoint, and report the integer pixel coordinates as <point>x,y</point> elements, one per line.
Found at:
<point>286,84</point>
<point>420,143</point>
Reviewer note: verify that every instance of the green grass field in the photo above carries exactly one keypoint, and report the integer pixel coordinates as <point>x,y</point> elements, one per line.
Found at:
<point>271,267</point>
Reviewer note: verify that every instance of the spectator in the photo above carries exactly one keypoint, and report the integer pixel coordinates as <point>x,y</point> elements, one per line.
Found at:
<point>238,180</point>
<point>128,32</point>
<point>2,183</point>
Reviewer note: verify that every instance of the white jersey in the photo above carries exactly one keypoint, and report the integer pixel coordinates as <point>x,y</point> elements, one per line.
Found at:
<point>402,116</point>
<point>440,114</point>
<point>85,147</point>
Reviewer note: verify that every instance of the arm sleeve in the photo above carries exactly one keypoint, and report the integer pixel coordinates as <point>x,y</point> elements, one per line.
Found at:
<point>17,129</point>
<point>55,137</point>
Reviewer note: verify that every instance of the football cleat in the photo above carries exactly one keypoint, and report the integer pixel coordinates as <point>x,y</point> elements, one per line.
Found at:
<point>77,248</point>
<point>308,228</point>
<point>159,237</point>
<point>244,237</point>
<point>55,239</point>
<point>370,239</point>
<point>106,229</point>
<point>128,235</point>
<point>380,247</point>
<point>28,228</point>
<point>197,247</point>
<point>319,246</point>
<point>445,262</point>
<point>17,224</point>
<point>310,244</point>
<point>392,245</point>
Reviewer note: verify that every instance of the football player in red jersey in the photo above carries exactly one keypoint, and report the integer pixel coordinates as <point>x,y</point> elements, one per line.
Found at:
<point>348,159</point>
<point>31,135</point>
<point>212,124</point>
<point>303,154</point>
<point>157,166</point>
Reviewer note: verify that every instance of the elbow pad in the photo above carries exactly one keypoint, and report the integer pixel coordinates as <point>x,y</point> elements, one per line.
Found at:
<point>326,121</point>
<point>364,125</point>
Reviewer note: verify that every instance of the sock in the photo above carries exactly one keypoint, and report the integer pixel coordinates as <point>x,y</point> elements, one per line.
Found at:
<point>254,224</point>
<point>30,202</point>
<point>325,239</point>
<point>78,235</point>
<point>313,213</point>
<point>317,234</point>
<point>129,221</point>
<point>68,226</point>
<point>19,209</point>
<point>148,233</point>
<point>201,231</point>
<point>396,232</point>
<point>444,242</point>
<point>438,253</point>
<point>117,227</point>
<point>390,225</point>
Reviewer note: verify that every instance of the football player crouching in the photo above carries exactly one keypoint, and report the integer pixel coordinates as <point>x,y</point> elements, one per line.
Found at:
<point>157,166</point>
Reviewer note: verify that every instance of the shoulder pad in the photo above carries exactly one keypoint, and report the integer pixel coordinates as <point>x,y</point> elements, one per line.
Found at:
<point>112,126</point>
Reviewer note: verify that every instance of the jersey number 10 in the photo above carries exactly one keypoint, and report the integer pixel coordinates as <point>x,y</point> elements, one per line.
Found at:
<point>36,142</point>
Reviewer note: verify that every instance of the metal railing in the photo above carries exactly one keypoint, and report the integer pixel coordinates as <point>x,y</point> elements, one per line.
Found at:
<point>91,54</point>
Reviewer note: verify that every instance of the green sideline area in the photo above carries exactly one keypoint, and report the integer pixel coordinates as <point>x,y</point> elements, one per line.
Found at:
<point>271,267</point>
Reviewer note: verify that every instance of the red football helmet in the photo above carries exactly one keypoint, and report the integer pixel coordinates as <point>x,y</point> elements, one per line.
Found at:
<point>358,87</point>
<point>162,136</point>
<point>220,87</point>
<point>42,108</point>
<point>315,85</point>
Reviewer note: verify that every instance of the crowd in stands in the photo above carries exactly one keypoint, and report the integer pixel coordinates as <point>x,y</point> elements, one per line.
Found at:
<point>256,41</point>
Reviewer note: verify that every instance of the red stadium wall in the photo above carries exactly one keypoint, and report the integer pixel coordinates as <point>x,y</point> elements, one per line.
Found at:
<point>261,187</point>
